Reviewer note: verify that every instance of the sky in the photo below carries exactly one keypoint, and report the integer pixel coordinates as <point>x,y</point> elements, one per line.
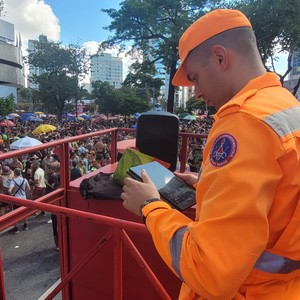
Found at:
<point>69,21</point>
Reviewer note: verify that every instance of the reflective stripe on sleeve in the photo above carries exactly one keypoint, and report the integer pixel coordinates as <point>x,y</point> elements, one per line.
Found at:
<point>175,249</point>
<point>276,264</point>
<point>284,122</point>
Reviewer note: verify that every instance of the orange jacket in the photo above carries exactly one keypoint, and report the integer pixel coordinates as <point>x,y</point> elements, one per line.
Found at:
<point>247,218</point>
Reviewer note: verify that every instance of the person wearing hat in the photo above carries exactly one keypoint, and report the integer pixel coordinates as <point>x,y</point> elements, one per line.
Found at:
<point>245,240</point>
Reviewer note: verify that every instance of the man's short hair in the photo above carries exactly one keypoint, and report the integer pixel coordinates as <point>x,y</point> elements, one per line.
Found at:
<point>17,171</point>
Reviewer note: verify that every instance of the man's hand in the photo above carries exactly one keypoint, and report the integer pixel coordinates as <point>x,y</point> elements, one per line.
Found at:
<point>136,192</point>
<point>190,179</point>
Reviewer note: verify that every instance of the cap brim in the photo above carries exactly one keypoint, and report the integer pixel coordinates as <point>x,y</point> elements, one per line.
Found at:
<point>180,78</point>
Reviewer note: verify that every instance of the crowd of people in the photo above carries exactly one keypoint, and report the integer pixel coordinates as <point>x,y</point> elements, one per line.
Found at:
<point>33,175</point>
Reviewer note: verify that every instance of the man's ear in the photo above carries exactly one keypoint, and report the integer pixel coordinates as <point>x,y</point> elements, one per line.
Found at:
<point>220,55</point>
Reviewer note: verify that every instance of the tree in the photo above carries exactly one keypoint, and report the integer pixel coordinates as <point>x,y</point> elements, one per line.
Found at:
<point>277,29</point>
<point>155,26</point>
<point>106,97</point>
<point>140,76</point>
<point>199,104</point>
<point>61,69</point>
<point>130,103</point>
<point>7,105</point>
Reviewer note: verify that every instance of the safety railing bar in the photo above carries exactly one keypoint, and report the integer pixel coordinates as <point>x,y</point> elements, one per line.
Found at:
<point>117,265</point>
<point>95,249</point>
<point>144,266</point>
<point>16,215</point>
<point>71,212</point>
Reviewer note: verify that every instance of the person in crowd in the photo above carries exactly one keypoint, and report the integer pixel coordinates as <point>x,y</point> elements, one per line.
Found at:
<point>75,171</point>
<point>55,164</point>
<point>5,181</point>
<point>52,184</point>
<point>99,148</point>
<point>19,186</point>
<point>244,241</point>
<point>39,182</point>
<point>82,168</point>
<point>46,162</point>
<point>16,163</point>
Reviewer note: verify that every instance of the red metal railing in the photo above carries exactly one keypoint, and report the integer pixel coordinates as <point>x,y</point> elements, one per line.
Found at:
<point>118,228</point>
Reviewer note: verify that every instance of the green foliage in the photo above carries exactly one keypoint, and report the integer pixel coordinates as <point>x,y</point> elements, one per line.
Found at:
<point>121,101</point>
<point>106,97</point>
<point>155,26</point>
<point>7,105</point>
<point>276,27</point>
<point>140,76</point>
<point>130,103</point>
<point>199,104</point>
<point>195,104</point>
<point>61,69</point>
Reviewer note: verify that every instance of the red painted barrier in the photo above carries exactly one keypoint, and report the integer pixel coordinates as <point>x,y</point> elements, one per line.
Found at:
<point>105,251</point>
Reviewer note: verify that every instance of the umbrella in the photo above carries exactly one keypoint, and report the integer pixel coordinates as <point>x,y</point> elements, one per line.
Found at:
<point>7,123</point>
<point>24,142</point>
<point>35,119</point>
<point>182,115</point>
<point>136,115</point>
<point>31,118</point>
<point>38,113</point>
<point>190,118</point>
<point>80,118</point>
<point>14,115</point>
<point>86,117</point>
<point>44,128</point>
<point>67,115</point>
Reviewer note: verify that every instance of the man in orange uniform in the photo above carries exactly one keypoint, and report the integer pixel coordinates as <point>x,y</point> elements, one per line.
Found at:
<point>245,240</point>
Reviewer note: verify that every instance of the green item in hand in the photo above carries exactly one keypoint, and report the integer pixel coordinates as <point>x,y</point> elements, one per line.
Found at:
<point>130,158</point>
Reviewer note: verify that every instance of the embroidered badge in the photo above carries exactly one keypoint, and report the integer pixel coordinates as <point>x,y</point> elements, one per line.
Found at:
<point>223,150</point>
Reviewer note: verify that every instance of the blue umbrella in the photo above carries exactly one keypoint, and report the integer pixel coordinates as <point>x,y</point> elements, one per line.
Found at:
<point>35,119</point>
<point>86,117</point>
<point>25,118</point>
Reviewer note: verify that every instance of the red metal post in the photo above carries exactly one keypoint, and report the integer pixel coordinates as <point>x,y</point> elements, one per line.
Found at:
<point>117,265</point>
<point>62,219</point>
<point>2,289</point>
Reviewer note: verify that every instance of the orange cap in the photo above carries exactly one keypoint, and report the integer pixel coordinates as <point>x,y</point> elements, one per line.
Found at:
<point>209,25</point>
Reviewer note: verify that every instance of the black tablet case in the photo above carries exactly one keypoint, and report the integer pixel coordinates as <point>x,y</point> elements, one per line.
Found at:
<point>172,189</point>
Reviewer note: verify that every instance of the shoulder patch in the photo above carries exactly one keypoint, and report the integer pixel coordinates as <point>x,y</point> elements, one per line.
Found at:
<point>223,150</point>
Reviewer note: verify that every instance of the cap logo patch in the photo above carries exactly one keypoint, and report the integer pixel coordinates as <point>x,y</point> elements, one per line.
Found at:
<point>223,150</point>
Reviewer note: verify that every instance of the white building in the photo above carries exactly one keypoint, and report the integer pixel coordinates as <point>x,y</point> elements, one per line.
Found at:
<point>107,68</point>
<point>33,70</point>
<point>11,66</point>
<point>295,73</point>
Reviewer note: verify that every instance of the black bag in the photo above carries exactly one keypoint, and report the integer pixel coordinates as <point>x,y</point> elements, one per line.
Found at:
<point>100,186</point>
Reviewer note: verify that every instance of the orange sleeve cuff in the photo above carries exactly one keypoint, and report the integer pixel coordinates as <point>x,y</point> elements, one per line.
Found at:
<point>153,206</point>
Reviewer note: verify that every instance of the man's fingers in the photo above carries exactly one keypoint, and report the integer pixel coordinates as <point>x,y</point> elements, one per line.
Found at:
<point>145,176</point>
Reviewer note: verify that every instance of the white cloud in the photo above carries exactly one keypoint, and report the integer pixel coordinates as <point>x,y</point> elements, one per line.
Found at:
<point>34,17</point>
<point>31,18</point>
